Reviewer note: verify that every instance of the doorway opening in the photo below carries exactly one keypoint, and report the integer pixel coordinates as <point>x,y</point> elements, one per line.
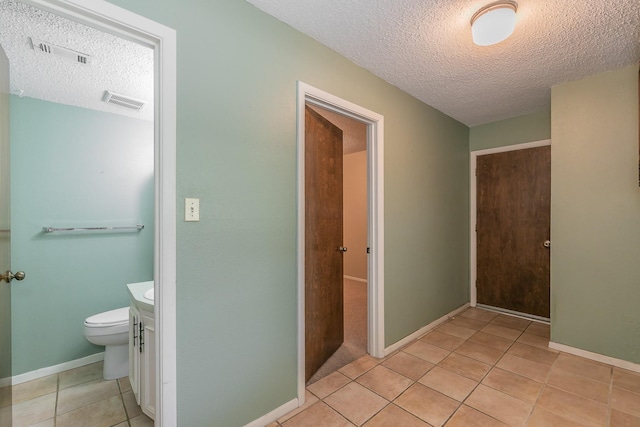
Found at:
<point>310,97</point>
<point>114,20</point>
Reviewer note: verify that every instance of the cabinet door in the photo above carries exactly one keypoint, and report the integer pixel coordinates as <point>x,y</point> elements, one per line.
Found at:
<point>148,371</point>
<point>134,352</point>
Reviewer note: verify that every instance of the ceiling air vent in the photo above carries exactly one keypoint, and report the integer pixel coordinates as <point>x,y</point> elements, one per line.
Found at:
<point>50,49</point>
<point>123,101</point>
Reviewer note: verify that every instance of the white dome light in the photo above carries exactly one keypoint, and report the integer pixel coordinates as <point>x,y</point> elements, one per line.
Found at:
<point>494,23</point>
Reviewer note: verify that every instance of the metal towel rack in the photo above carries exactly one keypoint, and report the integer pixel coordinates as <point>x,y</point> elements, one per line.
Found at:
<point>137,227</point>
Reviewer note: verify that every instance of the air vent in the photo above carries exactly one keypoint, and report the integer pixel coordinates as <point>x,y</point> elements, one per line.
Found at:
<point>50,49</point>
<point>123,101</point>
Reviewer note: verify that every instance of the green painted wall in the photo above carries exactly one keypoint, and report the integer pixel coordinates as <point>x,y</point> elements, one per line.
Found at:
<point>530,127</point>
<point>236,290</point>
<point>74,167</point>
<point>595,214</point>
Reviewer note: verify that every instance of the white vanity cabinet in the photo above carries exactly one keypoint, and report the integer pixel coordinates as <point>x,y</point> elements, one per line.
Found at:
<point>142,357</point>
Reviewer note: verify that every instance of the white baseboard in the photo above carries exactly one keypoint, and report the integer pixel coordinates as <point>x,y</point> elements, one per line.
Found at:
<point>275,414</point>
<point>624,364</point>
<point>56,369</point>
<point>357,279</point>
<point>420,332</point>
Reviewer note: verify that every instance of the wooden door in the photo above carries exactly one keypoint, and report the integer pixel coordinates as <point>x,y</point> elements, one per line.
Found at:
<point>513,224</point>
<point>324,329</point>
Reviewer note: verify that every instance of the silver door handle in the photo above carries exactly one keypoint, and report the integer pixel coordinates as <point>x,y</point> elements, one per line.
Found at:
<point>9,276</point>
<point>547,243</point>
<point>342,249</point>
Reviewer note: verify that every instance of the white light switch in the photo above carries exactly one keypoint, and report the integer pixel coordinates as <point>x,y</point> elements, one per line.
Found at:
<point>191,209</point>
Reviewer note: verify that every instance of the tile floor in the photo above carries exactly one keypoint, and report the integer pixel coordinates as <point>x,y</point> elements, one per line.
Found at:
<point>477,369</point>
<point>77,398</point>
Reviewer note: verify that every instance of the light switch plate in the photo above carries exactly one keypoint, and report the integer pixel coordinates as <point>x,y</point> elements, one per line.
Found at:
<point>191,209</point>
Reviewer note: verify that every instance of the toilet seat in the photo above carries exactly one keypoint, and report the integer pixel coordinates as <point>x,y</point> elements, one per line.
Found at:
<point>119,316</point>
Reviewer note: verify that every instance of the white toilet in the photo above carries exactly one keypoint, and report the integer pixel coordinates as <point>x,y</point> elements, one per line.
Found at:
<point>111,329</point>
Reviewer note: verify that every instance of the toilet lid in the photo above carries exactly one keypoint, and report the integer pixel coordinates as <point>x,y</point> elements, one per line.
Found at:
<point>118,316</point>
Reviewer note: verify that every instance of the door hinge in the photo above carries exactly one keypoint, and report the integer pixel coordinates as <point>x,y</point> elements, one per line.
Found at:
<point>135,330</point>
<point>141,336</point>
<point>368,250</point>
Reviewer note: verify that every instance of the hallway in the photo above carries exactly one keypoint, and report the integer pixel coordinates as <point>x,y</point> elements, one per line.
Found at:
<point>480,368</point>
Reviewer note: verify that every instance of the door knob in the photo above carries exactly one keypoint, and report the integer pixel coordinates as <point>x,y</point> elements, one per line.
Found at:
<point>342,249</point>
<point>9,276</point>
<point>547,243</point>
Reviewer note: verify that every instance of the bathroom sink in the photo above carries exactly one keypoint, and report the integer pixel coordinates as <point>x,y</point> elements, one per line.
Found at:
<point>149,294</point>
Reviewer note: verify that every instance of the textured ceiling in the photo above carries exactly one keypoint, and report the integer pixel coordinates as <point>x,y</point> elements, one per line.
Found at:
<point>424,47</point>
<point>116,65</point>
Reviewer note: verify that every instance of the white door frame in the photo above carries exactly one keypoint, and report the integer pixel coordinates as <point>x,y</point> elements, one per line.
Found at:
<point>473,158</point>
<point>112,19</point>
<point>375,190</point>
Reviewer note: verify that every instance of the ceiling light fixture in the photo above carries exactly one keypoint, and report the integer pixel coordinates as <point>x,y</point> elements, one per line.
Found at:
<point>494,22</point>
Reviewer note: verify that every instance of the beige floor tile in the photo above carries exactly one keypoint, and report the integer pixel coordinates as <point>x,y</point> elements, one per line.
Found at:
<point>428,405</point>
<point>573,407</point>
<point>514,385</point>
<point>539,329</point>
<point>627,380</point>
<point>104,413</point>
<point>527,368</point>
<point>446,341</point>
<point>124,384</point>
<point>408,365</point>
<point>329,384</point>
<point>385,382</point>
<point>511,322</point>
<point>51,422</point>
<point>130,404</point>
<point>479,314</point>
<point>620,419</point>
<point>123,424</point>
<point>534,340</point>
<point>80,375</point>
<point>392,415</point>
<point>501,331</point>
<point>543,418</point>
<point>141,421</point>
<point>84,394</point>
<point>535,354</point>
<point>448,383</point>
<point>577,384</point>
<point>356,403</point>
<point>493,341</point>
<point>35,388</point>
<point>456,331</point>
<point>499,405</point>
<point>465,366</point>
<point>318,415</point>
<point>358,367</point>
<point>468,323</point>
<point>625,401</point>
<point>426,351</point>
<point>480,352</point>
<point>469,417</point>
<point>581,366</point>
<point>309,400</point>
<point>34,411</point>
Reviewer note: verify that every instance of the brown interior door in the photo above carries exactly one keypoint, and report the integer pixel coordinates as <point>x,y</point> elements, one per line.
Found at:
<point>513,224</point>
<point>324,328</point>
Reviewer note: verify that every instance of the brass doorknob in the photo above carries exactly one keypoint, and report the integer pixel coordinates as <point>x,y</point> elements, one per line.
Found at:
<point>342,249</point>
<point>547,243</point>
<point>9,276</point>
